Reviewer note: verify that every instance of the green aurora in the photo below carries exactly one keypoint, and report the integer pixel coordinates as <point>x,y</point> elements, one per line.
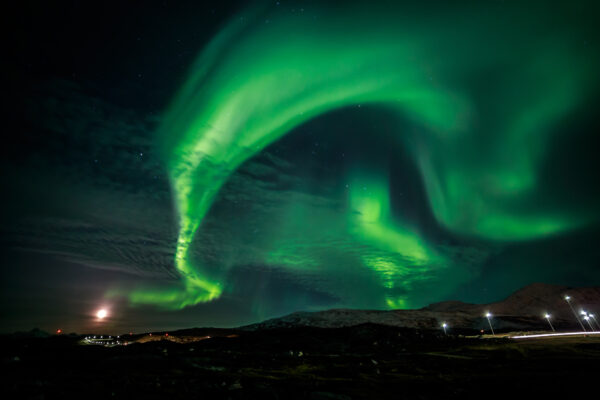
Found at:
<point>478,153</point>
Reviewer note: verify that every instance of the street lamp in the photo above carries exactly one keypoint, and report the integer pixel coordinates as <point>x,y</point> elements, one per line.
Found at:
<point>547,316</point>
<point>568,299</point>
<point>594,318</point>
<point>588,317</point>
<point>589,323</point>
<point>445,325</point>
<point>488,316</point>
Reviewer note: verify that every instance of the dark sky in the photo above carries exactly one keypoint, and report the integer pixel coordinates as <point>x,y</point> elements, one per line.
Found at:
<point>185,164</point>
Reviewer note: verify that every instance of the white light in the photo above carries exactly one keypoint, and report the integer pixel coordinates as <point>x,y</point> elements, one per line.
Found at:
<point>556,334</point>
<point>101,314</point>
<point>547,316</point>
<point>586,318</point>
<point>567,298</point>
<point>582,312</point>
<point>488,315</point>
<point>444,325</point>
<point>591,315</point>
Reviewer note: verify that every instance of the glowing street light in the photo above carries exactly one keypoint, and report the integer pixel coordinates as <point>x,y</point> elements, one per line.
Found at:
<point>595,320</point>
<point>547,316</point>
<point>568,299</point>
<point>445,325</point>
<point>589,323</point>
<point>101,314</point>
<point>488,316</point>
<point>587,317</point>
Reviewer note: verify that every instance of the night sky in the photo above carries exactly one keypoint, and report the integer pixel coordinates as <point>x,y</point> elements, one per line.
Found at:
<point>187,164</point>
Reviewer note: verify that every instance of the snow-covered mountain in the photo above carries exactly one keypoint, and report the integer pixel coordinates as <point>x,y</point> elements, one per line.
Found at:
<point>524,309</point>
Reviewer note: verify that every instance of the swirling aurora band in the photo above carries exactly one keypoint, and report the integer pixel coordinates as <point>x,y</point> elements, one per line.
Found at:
<point>260,77</point>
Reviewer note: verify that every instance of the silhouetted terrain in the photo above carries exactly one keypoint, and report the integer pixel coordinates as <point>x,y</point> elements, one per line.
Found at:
<point>365,361</point>
<point>283,359</point>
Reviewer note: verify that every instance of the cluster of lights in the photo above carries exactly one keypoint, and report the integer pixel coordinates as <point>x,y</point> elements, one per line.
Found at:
<point>107,341</point>
<point>589,318</point>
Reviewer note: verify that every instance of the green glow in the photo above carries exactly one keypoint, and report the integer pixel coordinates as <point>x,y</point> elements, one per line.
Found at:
<point>403,256</point>
<point>397,303</point>
<point>479,158</point>
<point>374,224</point>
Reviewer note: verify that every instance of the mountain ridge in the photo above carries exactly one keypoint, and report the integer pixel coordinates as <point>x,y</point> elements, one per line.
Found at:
<point>523,309</point>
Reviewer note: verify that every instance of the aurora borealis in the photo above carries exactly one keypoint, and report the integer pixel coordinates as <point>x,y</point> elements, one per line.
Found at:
<point>308,155</point>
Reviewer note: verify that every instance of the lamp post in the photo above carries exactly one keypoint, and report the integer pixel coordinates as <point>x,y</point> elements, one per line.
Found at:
<point>589,323</point>
<point>547,316</point>
<point>594,318</point>
<point>568,299</point>
<point>445,325</point>
<point>488,316</point>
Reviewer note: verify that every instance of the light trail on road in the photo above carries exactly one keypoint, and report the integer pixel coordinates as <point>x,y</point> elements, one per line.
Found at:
<point>555,334</point>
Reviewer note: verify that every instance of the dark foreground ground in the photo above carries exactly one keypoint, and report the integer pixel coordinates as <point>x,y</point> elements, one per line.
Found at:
<point>367,361</point>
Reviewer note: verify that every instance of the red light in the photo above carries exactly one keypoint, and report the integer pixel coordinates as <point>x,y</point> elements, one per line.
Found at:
<point>59,331</point>
<point>166,334</point>
<point>150,334</point>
